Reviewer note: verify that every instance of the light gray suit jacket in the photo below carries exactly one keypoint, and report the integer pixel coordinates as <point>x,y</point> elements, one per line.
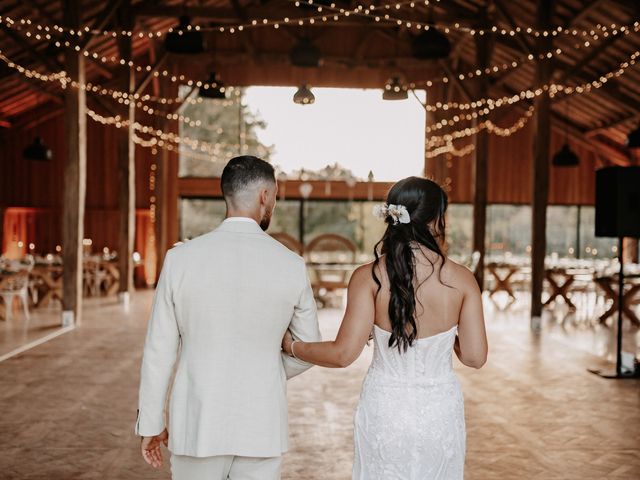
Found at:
<point>223,303</point>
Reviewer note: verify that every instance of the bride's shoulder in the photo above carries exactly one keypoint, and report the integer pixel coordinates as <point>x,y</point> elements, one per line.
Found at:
<point>458,273</point>
<point>362,276</point>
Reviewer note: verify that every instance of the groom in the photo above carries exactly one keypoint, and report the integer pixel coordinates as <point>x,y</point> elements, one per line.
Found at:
<point>223,303</point>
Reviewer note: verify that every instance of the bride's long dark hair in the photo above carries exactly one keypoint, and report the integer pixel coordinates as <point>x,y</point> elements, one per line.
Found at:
<point>426,203</point>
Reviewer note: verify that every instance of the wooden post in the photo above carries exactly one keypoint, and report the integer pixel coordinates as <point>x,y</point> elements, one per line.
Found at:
<point>2,209</point>
<point>540,176</point>
<point>166,187</point>
<point>433,166</point>
<point>126,165</point>
<point>75,176</point>
<point>484,49</point>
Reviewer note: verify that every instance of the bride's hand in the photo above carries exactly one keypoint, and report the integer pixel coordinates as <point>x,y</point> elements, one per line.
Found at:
<point>287,340</point>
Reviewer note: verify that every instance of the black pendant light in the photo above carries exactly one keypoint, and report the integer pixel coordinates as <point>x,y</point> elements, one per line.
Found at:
<point>184,39</point>
<point>213,88</point>
<point>38,151</point>
<point>633,139</point>
<point>565,156</point>
<point>431,44</point>
<point>305,54</point>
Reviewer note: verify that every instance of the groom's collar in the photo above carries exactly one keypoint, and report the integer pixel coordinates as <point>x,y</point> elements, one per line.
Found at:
<point>239,219</point>
<point>241,225</point>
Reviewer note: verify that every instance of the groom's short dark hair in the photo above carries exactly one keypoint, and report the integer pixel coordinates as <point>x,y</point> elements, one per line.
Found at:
<point>244,170</point>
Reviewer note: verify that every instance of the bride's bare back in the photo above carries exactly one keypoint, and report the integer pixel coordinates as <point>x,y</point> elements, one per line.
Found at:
<point>446,295</point>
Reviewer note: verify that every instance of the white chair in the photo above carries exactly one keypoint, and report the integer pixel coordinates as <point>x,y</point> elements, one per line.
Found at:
<point>475,260</point>
<point>15,285</point>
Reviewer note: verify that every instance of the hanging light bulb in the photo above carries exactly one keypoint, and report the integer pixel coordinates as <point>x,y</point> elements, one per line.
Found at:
<point>304,96</point>
<point>395,90</point>
<point>37,151</point>
<point>213,88</point>
<point>184,39</point>
<point>633,139</point>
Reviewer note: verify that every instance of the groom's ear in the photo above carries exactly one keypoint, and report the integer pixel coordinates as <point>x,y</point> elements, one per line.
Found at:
<point>264,196</point>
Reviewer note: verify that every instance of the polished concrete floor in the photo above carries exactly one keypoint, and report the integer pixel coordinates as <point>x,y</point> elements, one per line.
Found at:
<point>67,407</point>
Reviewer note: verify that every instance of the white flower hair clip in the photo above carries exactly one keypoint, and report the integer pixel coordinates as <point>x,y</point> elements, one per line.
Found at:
<point>398,213</point>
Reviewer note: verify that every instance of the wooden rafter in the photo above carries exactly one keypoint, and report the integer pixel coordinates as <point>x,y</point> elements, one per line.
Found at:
<point>101,21</point>
<point>520,38</point>
<point>584,12</point>
<point>563,75</point>
<point>151,73</point>
<point>614,124</point>
<point>46,16</point>
<point>246,40</point>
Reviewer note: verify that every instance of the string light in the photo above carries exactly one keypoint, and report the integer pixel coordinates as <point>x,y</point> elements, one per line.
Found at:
<point>594,31</point>
<point>491,127</point>
<point>488,104</point>
<point>335,13</point>
<point>508,65</point>
<point>162,139</point>
<point>528,94</point>
<point>451,150</point>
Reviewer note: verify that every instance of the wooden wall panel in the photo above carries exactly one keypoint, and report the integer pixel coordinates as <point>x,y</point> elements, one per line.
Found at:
<point>28,183</point>
<point>36,187</point>
<point>510,171</point>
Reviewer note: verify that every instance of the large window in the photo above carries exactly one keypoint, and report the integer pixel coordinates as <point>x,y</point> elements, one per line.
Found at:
<point>562,230</point>
<point>460,230</point>
<point>570,230</point>
<point>508,230</point>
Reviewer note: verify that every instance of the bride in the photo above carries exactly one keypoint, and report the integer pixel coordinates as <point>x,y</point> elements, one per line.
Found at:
<point>418,306</point>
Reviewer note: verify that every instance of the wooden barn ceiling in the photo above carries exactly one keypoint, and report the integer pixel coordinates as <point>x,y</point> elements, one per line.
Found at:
<point>356,52</point>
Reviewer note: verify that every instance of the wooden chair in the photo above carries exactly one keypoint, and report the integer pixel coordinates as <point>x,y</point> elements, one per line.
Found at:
<point>290,242</point>
<point>331,259</point>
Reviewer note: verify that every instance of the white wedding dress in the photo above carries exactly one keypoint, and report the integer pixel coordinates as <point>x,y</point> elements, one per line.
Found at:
<point>409,424</point>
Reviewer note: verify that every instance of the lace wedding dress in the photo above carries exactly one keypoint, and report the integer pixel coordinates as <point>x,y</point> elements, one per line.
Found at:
<point>409,424</point>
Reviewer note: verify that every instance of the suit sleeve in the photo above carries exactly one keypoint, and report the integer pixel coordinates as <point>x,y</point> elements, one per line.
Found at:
<point>303,326</point>
<point>160,352</point>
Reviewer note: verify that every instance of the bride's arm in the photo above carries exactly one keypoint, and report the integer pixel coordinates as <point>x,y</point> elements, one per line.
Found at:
<point>354,331</point>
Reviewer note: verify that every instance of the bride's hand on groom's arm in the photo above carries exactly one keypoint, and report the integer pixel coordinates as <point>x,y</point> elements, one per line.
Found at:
<point>287,340</point>
<point>150,448</point>
<point>354,331</point>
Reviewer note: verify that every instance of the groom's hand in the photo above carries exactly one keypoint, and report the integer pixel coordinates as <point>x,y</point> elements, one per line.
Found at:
<point>150,448</point>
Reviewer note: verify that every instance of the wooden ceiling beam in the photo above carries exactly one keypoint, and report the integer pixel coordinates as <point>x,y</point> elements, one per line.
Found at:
<point>101,21</point>
<point>246,40</point>
<point>583,12</point>
<point>520,38</point>
<point>614,124</point>
<point>454,80</point>
<point>563,75</point>
<point>577,133</point>
<point>150,75</point>
<point>47,17</point>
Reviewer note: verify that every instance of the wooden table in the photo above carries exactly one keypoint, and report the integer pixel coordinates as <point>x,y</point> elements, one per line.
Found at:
<point>324,270</point>
<point>609,285</point>
<point>502,273</point>
<point>561,280</point>
<point>47,280</point>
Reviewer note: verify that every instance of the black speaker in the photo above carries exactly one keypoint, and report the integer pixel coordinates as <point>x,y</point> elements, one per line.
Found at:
<point>618,202</point>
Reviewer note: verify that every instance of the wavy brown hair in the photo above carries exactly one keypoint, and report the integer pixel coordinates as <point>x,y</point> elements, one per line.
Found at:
<point>427,204</point>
